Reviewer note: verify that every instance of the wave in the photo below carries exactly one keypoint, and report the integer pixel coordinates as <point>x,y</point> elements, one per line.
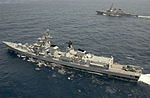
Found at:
<point>145,78</point>
<point>144,16</point>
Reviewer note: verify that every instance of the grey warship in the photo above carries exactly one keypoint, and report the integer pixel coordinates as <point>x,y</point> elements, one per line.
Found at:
<point>115,12</point>
<point>46,52</point>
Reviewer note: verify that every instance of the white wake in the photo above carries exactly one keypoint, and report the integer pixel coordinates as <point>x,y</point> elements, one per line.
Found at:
<point>145,78</point>
<point>144,16</point>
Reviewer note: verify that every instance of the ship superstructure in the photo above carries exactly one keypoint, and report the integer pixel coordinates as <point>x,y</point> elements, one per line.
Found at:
<point>115,12</point>
<point>46,52</point>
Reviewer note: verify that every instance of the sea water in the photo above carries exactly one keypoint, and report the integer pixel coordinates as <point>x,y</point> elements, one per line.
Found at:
<point>127,39</point>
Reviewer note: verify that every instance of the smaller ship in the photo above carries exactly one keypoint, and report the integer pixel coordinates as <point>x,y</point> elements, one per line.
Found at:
<point>115,12</point>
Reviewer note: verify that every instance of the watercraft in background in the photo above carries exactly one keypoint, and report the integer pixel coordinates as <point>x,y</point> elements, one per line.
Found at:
<point>115,12</point>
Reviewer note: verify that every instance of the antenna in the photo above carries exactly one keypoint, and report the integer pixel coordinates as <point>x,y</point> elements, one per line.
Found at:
<point>111,6</point>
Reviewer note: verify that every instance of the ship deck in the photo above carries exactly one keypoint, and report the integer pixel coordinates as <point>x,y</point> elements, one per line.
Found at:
<point>117,68</point>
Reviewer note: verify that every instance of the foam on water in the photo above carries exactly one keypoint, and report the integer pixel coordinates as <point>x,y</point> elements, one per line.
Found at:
<point>145,78</point>
<point>144,16</point>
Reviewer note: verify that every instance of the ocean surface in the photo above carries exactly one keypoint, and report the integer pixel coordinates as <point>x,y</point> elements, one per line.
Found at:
<point>127,39</point>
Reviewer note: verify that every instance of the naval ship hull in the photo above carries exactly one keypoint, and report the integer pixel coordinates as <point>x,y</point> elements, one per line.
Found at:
<point>100,12</point>
<point>93,70</point>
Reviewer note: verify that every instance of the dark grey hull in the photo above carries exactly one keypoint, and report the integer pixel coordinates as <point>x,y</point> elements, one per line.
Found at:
<point>100,12</point>
<point>115,14</point>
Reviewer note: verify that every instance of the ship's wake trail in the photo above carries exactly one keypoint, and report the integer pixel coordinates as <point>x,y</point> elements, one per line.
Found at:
<point>144,16</point>
<point>145,78</point>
